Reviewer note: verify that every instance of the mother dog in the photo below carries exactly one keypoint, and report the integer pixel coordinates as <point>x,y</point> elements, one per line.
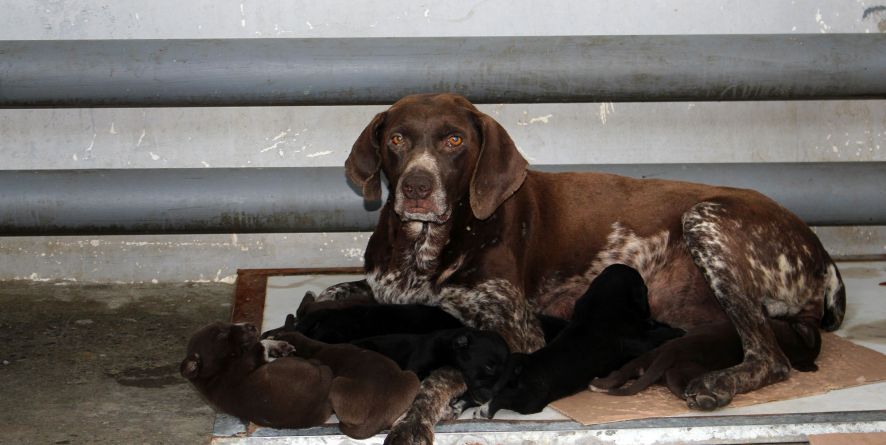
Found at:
<point>469,228</point>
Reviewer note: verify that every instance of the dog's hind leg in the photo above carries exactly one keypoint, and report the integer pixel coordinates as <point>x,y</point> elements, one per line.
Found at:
<point>716,236</point>
<point>760,262</point>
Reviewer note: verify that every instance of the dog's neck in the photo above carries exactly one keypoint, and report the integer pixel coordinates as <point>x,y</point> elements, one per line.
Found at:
<point>425,242</point>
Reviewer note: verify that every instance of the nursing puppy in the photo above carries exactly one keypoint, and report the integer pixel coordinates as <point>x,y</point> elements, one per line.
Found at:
<point>342,321</point>
<point>344,324</point>
<point>701,350</point>
<point>369,391</point>
<point>610,325</point>
<point>480,356</point>
<point>230,367</point>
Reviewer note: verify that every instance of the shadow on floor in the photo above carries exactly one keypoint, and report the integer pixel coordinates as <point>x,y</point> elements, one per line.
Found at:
<point>98,364</point>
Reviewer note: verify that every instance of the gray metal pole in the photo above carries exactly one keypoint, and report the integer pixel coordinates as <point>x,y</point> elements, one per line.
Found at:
<point>249,72</point>
<point>319,199</point>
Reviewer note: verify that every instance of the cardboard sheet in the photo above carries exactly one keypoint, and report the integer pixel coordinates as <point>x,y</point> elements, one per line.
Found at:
<point>848,439</point>
<point>842,364</point>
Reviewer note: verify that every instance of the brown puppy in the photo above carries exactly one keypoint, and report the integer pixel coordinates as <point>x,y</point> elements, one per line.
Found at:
<point>704,349</point>
<point>369,391</point>
<point>230,367</point>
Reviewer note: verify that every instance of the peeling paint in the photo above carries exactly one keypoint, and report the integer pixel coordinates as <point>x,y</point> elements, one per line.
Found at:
<point>606,108</point>
<point>822,26</point>
<point>141,138</point>
<point>543,119</point>
<point>319,153</point>
<point>154,156</point>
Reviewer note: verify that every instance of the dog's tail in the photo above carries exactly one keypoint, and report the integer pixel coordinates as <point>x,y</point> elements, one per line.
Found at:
<point>834,300</point>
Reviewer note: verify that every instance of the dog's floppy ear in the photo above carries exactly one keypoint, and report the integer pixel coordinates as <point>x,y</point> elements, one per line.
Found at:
<point>500,170</point>
<point>190,367</point>
<point>364,162</point>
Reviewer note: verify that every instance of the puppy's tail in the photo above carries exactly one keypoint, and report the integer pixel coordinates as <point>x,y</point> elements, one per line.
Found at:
<point>834,300</point>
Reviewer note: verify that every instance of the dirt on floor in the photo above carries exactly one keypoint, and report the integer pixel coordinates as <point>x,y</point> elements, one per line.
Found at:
<point>98,364</point>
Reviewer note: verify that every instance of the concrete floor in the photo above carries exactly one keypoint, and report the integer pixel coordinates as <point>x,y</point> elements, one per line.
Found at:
<point>98,364</point>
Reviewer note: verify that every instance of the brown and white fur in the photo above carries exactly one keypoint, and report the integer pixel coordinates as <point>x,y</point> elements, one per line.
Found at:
<point>469,228</point>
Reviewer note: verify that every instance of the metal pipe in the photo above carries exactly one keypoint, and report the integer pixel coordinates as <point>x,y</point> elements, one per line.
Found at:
<point>319,199</point>
<point>354,71</point>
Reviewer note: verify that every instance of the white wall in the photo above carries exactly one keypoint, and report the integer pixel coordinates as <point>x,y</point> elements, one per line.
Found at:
<point>321,136</point>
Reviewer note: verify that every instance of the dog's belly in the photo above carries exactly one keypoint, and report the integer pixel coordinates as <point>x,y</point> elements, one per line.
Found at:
<point>678,292</point>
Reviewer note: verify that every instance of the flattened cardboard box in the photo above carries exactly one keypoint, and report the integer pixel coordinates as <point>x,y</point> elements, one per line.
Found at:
<point>842,364</point>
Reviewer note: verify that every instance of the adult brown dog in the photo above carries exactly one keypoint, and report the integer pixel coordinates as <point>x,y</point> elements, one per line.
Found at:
<point>469,228</point>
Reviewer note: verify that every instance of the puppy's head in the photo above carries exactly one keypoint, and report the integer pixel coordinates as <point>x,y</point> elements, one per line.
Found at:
<point>215,347</point>
<point>435,150</point>
<point>481,357</point>
<point>520,388</point>
<point>617,295</point>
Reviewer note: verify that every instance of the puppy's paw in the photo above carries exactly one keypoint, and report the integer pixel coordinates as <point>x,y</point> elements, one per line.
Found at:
<point>410,433</point>
<point>482,412</point>
<point>593,388</point>
<point>456,407</point>
<point>276,349</point>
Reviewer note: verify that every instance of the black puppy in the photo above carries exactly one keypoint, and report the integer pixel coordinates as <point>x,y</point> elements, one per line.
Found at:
<point>343,322</point>
<point>610,325</point>
<point>479,355</point>
<point>343,325</point>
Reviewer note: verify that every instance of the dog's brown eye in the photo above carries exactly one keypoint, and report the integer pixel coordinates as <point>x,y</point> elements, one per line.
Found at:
<point>454,140</point>
<point>397,139</point>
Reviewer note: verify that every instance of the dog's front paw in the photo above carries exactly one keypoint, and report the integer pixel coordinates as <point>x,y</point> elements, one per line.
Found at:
<point>707,393</point>
<point>410,433</point>
<point>276,349</point>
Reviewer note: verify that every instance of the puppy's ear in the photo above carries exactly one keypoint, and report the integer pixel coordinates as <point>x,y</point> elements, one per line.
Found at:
<point>290,321</point>
<point>306,301</point>
<point>500,171</point>
<point>640,300</point>
<point>190,367</point>
<point>364,162</point>
<point>461,342</point>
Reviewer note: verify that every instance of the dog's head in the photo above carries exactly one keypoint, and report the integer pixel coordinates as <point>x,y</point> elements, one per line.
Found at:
<point>481,357</point>
<point>213,348</point>
<point>436,150</point>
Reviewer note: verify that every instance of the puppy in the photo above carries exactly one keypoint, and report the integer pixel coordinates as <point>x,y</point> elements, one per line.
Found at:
<point>310,304</point>
<point>610,325</point>
<point>479,355</point>
<point>231,368</point>
<point>367,320</point>
<point>358,316</point>
<point>369,391</point>
<point>704,349</point>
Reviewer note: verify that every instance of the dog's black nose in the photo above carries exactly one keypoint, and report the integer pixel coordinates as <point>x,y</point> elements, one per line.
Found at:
<point>418,185</point>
